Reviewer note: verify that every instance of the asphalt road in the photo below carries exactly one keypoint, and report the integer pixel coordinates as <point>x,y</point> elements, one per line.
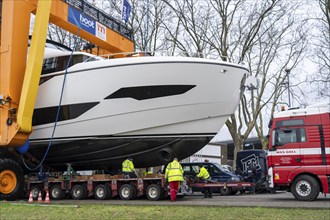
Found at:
<point>278,200</point>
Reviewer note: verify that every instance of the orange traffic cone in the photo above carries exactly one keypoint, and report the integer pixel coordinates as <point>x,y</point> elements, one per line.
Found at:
<point>39,197</point>
<point>47,197</point>
<point>30,197</point>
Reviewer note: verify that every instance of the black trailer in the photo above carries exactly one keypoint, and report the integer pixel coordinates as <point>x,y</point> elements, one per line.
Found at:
<point>246,160</point>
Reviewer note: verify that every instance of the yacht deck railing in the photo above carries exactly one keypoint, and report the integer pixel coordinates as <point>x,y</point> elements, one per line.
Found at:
<point>160,53</point>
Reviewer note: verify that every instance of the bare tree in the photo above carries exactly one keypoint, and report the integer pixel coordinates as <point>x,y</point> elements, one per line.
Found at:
<point>150,28</point>
<point>64,37</point>
<point>193,18</point>
<point>262,35</point>
<point>145,22</point>
<point>321,43</point>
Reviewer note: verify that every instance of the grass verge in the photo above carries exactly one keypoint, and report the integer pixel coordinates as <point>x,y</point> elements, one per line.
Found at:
<point>20,211</point>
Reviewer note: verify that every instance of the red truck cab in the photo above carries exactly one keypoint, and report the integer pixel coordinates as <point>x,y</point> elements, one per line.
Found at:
<point>299,151</point>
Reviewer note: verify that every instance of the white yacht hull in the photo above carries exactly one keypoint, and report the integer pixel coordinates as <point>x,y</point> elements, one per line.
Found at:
<point>148,108</point>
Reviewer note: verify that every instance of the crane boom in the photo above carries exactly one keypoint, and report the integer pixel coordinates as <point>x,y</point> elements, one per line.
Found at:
<point>96,26</point>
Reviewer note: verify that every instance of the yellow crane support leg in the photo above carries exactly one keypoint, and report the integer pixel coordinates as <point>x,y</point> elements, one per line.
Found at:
<point>34,67</point>
<point>15,24</point>
<point>19,80</point>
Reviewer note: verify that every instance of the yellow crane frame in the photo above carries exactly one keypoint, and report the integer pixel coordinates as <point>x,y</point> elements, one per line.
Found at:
<point>19,73</point>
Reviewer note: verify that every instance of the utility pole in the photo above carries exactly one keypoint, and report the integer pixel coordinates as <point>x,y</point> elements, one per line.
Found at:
<point>147,27</point>
<point>288,84</point>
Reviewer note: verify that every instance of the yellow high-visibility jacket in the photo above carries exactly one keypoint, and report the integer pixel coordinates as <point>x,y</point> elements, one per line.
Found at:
<point>146,173</point>
<point>174,172</point>
<point>203,173</point>
<point>128,166</point>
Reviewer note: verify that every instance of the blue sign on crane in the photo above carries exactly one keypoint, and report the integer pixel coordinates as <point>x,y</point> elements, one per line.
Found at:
<point>81,20</point>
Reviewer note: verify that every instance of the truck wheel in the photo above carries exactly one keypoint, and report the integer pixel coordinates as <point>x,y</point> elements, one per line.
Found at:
<point>78,192</point>
<point>305,188</point>
<point>101,192</point>
<point>225,191</point>
<point>154,192</point>
<point>11,180</point>
<point>56,192</point>
<point>126,192</point>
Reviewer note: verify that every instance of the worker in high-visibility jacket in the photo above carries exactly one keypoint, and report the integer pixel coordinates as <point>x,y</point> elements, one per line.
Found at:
<point>205,176</point>
<point>174,175</point>
<point>147,172</point>
<point>128,168</point>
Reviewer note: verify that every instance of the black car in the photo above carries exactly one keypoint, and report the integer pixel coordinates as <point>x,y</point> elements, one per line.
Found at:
<point>217,173</point>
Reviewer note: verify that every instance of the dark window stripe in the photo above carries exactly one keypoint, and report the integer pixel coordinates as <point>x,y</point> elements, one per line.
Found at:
<point>322,142</point>
<point>150,92</point>
<point>45,79</point>
<point>67,112</point>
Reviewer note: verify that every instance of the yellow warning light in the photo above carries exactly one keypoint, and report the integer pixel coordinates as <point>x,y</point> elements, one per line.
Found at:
<point>277,176</point>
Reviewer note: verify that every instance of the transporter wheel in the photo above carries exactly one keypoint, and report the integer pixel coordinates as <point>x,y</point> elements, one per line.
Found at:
<point>66,195</point>
<point>56,192</point>
<point>11,180</point>
<point>233,192</point>
<point>102,192</point>
<point>154,192</point>
<point>305,188</point>
<point>35,190</point>
<point>225,191</point>
<point>127,191</point>
<point>134,192</point>
<point>78,192</point>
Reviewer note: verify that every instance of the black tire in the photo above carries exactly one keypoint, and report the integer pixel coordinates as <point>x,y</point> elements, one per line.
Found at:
<point>109,191</point>
<point>56,192</point>
<point>78,192</point>
<point>225,191</point>
<point>134,192</point>
<point>305,188</point>
<point>66,195</point>
<point>242,191</point>
<point>233,192</point>
<point>11,171</point>
<point>154,192</point>
<point>101,192</point>
<point>35,190</point>
<point>126,192</point>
